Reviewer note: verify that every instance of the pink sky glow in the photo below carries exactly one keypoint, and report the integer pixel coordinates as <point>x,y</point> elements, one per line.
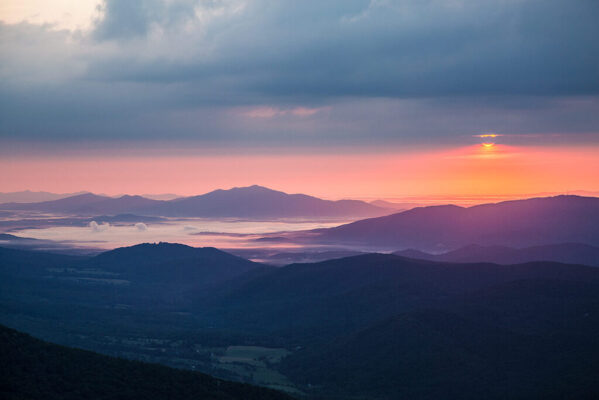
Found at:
<point>470,170</point>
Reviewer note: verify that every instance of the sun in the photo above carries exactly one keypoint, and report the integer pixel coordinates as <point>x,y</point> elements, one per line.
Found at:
<point>489,138</point>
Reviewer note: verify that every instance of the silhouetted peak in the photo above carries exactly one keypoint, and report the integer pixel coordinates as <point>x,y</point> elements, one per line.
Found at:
<point>162,251</point>
<point>86,196</point>
<point>253,189</point>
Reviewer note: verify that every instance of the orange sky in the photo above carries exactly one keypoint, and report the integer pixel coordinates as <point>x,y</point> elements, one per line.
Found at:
<point>471,170</point>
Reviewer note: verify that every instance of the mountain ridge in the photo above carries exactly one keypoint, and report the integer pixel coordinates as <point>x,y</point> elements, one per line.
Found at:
<point>516,223</point>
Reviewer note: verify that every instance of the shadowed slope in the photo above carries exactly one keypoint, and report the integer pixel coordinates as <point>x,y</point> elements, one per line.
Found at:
<point>434,354</point>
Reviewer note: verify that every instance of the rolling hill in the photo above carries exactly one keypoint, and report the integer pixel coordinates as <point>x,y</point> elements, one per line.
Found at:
<point>144,275</point>
<point>170,263</point>
<point>321,300</point>
<point>373,326</point>
<point>383,326</point>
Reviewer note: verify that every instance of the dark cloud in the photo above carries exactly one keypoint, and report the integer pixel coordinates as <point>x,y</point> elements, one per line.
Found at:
<point>135,18</point>
<point>407,71</point>
<point>392,49</point>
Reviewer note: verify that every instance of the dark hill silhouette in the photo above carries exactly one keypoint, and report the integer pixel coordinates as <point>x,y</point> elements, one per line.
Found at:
<point>171,262</point>
<point>331,277</point>
<point>160,263</point>
<point>518,223</point>
<point>33,369</point>
<point>333,296</point>
<point>244,202</point>
<point>569,253</point>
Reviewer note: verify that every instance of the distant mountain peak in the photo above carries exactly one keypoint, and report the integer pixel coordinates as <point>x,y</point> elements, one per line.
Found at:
<point>254,188</point>
<point>165,249</point>
<point>87,195</point>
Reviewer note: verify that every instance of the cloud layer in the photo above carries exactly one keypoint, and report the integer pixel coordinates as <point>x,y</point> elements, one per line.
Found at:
<point>347,72</point>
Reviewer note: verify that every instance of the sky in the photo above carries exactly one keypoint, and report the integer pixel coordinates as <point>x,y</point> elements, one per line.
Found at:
<point>344,98</point>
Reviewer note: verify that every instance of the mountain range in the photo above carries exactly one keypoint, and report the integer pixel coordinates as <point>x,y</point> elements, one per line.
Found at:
<point>27,196</point>
<point>374,326</point>
<point>516,223</point>
<point>246,202</point>
<point>567,253</point>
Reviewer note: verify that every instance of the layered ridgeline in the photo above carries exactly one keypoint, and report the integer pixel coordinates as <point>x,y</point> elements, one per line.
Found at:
<point>245,202</point>
<point>518,223</point>
<point>87,204</point>
<point>33,369</point>
<point>372,326</point>
<point>572,253</point>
